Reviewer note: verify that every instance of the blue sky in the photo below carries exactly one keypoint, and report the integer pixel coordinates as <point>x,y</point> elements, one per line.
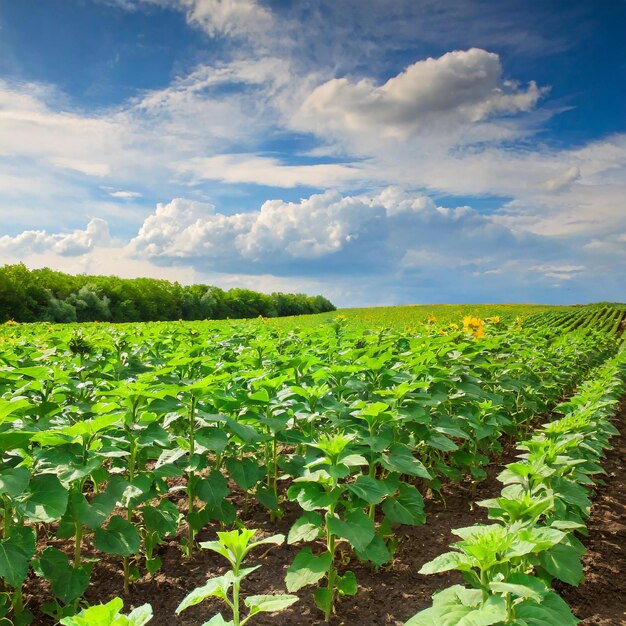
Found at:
<point>379,152</point>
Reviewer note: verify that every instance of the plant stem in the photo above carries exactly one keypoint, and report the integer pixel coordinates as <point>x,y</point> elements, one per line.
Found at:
<point>6,530</point>
<point>330,542</point>
<point>236,595</point>
<point>77,544</point>
<point>190,475</point>
<point>126,574</point>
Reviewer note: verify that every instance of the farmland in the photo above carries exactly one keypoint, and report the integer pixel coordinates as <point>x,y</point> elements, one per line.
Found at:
<point>359,444</point>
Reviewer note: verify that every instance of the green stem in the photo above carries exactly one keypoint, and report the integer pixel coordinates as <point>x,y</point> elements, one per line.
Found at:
<point>129,509</point>
<point>8,515</point>
<point>191,475</point>
<point>77,544</point>
<point>126,574</point>
<point>236,596</point>
<point>18,601</point>
<point>330,543</point>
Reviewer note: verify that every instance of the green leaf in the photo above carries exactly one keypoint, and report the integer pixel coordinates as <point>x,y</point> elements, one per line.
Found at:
<point>246,433</point>
<point>310,496</point>
<point>400,459</point>
<point>218,620</point>
<point>91,515</point>
<point>369,489</point>
<point>67,583</point>
<point>407,507</point>
<point>110,615</point>
<point>245,472</point>
<point>13,482</point>
<point>162,519</point>
<point>269,604</point>
<point>120,538</point>
<point>307,569</point>
<point>357,528</point>
<point>446,562</point>
<point>16,553</point>
<point>376,552</point>
<point>266,497</point>
<point>552,610</point>
<point>212,438</point>
<point>47,500</point>
<point>140,616</point>
<point>212,489</point>
<point>217,587</point>
<point>346,584</point>
<point>458,606</point>
<point>562,562</point>
<point>98,615</point>
<point>306,528</point>
<point>323,598</point>
<point>441,442</point>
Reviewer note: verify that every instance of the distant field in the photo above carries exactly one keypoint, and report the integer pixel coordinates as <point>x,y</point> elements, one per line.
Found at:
<point>410,314</point>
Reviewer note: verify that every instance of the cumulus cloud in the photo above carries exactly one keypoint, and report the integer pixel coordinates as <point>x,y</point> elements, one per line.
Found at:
<point>76,243</point>
<point>458,88</point>
<point>327,232</point>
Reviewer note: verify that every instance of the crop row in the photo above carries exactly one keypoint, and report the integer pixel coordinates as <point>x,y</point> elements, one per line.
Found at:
<point>102,430</point>
<point>510,565</point>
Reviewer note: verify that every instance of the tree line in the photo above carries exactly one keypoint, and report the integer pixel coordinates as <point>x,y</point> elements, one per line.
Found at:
<point>44,295</point>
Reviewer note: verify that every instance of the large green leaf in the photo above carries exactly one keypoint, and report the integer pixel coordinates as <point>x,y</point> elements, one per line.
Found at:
<point>552,610</point>
<point>458,606</point>
<point>120,538</point>
<point>562,562</point>
<point>47,500</point>
<point>306,528</point>
<point>13,481</point>
<point>407,507</point>
<point>369,489</point>
<point>212,438</point>
<point>245,472</point>
<point>307,569</point>
<point>357,528</point>
<point>15,555</point>
<point>217,587</point>
<point>400,459</point>
<point>67,583</point>
<point>269,604</point>
<point>212,489</point>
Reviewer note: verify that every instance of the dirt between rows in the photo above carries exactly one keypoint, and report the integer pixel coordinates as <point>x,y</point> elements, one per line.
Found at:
<point>387,596</point>
<point>601,600</point>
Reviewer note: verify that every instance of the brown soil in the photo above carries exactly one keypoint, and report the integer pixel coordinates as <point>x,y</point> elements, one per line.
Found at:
<point>601,600</point>
<point>388,596</point>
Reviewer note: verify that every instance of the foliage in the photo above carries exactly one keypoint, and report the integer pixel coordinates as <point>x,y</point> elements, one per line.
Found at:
<point>352,422</point>
<point>234,546</point>
<point>45,295</point>
<point>511,564</point>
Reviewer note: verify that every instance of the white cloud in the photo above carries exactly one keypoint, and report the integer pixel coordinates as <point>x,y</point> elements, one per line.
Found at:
<point>231,17</point>
<point>430,96</point>
<point>560,272</point>
<point>325,231</point>
<point>75,243</point>
<point>564,180</point>
<point>125,195</point>
<point>261,170</point>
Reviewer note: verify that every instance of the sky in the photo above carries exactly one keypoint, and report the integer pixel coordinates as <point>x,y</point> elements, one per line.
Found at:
<point>376,151</point>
